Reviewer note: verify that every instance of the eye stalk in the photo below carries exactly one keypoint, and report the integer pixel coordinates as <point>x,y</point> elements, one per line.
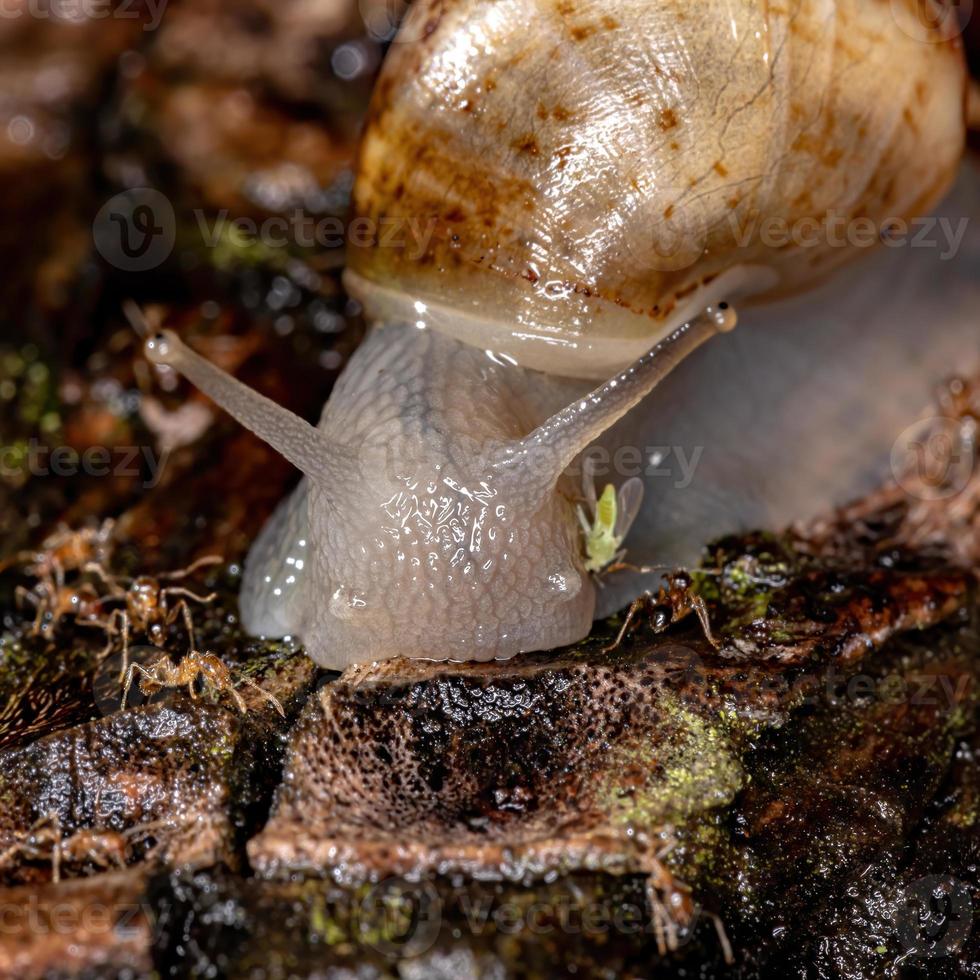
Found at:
<point>294,438</point>
<point>548,451</point>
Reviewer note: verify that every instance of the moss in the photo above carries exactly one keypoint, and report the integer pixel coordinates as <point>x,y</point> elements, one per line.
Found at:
<point>325,927</point>
<point>693,768</point>
<point>31,410</point>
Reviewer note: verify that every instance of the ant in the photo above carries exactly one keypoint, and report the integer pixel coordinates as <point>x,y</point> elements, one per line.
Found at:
<point>44,841</point>
<point>147,606</point>
<point>68,550</point>
<point>64,551</point>
<point>669,606</point>
<point>682,911</point>
<point>53,600</point>
<point>213,673</point>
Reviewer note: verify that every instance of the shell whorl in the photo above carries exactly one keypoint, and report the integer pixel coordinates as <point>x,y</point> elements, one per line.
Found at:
<point>571,170</point>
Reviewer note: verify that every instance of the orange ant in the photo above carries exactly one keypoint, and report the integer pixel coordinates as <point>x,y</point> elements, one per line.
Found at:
<point>68,550</point>
<point>44,841</point>
<point>669,606</point>
<point>53,600</point>
<point>65,550</point>
<point>682,911</point>
<point>213,673</point>
<point>147,606</point>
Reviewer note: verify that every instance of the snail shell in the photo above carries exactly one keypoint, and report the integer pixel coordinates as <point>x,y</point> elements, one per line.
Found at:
<point>562,180</point>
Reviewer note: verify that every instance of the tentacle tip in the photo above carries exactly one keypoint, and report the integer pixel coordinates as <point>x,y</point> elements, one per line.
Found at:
<point>723,316</point>
<point>162,347</point>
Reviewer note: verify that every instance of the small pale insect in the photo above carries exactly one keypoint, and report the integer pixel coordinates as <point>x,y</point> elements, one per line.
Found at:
<point>609,519</point>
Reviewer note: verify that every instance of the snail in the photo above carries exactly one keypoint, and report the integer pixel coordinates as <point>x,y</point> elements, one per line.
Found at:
<point>584,172</point>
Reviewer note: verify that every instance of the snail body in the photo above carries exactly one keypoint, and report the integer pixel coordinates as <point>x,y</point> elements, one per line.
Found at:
<point>432,502</point>
<point>582,184</point>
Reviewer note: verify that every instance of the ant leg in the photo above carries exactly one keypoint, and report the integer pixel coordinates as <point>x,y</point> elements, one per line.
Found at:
<point>107,626</point>
<point>187,594</point>
<point>56,858</point>
<point>184,610</point>
<point>239,700</point>
<point>702,613</point>
<point>127,684</point>
<point>130,673</point>
<point>8,854</point>
<point>16,559</point>
<point>619,564</point>
<point>638,603</point>
<point>122,617</point>
<point>276,703</point>
<point>661,920</point>
<point>192,568</point>
<point>23,594</point>
<point>38,627</point>
<point>94,568</point>
<point>726,946</point>
<point>109,581</point>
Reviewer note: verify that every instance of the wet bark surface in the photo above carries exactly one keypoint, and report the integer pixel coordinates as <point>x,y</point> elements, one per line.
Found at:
<point>609,807</point>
